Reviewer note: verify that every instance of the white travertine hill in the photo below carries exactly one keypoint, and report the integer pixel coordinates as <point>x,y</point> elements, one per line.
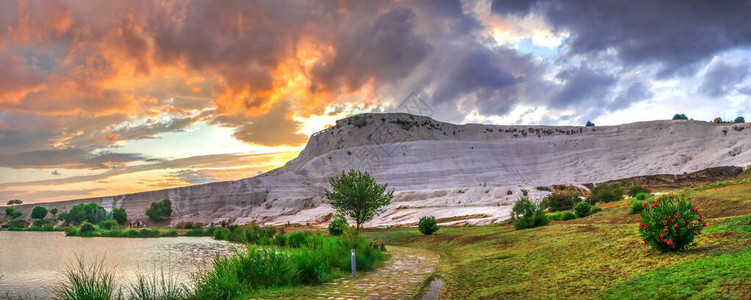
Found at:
<point>449,170</point>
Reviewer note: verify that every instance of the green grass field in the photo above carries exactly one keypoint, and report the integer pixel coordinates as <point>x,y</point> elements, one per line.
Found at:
<point>600,256</point>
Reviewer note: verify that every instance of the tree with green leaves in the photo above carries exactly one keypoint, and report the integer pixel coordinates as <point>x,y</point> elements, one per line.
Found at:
<point>119,215</point>
<point>357,195</point>
<point>590,124</point>
<point>53,212</point>
<point>79,213</point>
<point>15,202</point>
<point>160,210</point>
<point>38,213</point>
<point>740,120</point>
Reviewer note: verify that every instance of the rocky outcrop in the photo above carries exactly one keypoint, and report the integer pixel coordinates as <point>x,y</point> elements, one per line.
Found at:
<point>448,170</point>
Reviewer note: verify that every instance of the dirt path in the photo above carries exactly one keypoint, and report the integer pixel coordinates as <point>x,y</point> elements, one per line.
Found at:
<point>399,278</point>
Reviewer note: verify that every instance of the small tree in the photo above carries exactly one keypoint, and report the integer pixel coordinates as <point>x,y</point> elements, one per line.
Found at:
<point>160,210</point>
<point>740,120</point>
<point>53,212</point>
<point>14,202</point>
<point>590,124</point>
<point>119,215</point>
<point>357,195</point>
<point>91,212</point>
<point>12,213</point>
<point>680,117</point>
<point>527,214</point>
<point>338,225</point>
<point>427,225</point>
<point>38,213</point>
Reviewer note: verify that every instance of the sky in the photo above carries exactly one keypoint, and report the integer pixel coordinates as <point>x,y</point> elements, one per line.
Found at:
<point>109,97</point>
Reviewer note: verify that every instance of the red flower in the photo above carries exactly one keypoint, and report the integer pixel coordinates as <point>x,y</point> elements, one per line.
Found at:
<point>670,242</point>
<point>662,235</point>
<point>693,209</point>
<point>665,222</point>
<point>675,225</point>
<point>666,228</point>
<point>644,242</point>
<point>676,215</point>
<point>643,205</point>
<point>696,232</point>
<point>671,196</point>
<point>646,254</point>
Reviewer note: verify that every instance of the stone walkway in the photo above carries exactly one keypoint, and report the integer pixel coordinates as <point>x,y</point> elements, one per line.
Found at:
<point>400,278</point>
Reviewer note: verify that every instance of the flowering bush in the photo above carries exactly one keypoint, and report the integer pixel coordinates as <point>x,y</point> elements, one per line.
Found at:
<point>670,224</point>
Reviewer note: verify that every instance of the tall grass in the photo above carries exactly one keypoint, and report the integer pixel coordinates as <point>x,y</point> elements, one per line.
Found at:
<point>161,286</point>
<point>82,282</point>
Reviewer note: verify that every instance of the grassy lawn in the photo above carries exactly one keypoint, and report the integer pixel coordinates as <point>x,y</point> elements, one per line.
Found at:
<point>596,257</point>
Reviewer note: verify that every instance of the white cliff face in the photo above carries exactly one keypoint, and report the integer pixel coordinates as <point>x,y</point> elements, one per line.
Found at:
<point>449,170</point>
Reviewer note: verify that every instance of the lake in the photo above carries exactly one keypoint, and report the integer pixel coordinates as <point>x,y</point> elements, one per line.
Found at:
<point>31,263</point>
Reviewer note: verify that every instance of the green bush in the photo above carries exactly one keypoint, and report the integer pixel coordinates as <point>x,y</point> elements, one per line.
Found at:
<point>555,216</point>
<point>189,225</point>
<point>87,227</point>
<point>636,189</point>
<point>680,117</point>
<point>560,201</point>
<point>636,207</point>
<point>427,225</point>
<point>582,209</point>
<point>338,225</point>
<point>221,234</point>
<point>119,215</point>
<point>527,214</point>
<point>12,213</point>
<point>160,210</point>
<point>642,196</point>
<point>568,215</point>
<point>109,224</point>
<point>670,224</point>
<point>605,193</point>
<point>595,209</point>
<point>38,213</point>
<point>90,212</point>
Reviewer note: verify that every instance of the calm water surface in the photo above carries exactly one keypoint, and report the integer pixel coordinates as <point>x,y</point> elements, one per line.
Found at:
<point>31,262</point>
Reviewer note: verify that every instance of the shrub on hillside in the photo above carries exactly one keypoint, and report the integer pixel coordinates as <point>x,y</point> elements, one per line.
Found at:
<point>12,213</point>
<point>643,196</point>
<point>582,209</point>
<point>670,224</point>
<point>554,216</point>
<point>636,189</point>
<point>527,214</point>
<point>595,209</point>
<point>338,225</point>
<point>605,193</point>
<point>568,215</point>
<point>38,213</point>
<point>560,201</point>
<point>427,225</point>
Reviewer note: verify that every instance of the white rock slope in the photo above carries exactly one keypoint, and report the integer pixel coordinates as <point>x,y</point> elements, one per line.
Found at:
<point>449,170</point>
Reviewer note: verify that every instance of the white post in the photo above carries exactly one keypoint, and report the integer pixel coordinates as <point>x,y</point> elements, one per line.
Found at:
<point>354,267</point>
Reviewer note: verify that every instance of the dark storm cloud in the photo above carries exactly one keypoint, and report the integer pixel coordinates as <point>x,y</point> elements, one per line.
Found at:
<point>722,77</point>
<point>582,86</point>
<point>634,92</point>
<point>676,34</point>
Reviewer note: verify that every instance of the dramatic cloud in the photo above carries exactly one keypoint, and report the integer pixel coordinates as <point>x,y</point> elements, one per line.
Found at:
<point>675,34</point>
<point>722,77</point>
